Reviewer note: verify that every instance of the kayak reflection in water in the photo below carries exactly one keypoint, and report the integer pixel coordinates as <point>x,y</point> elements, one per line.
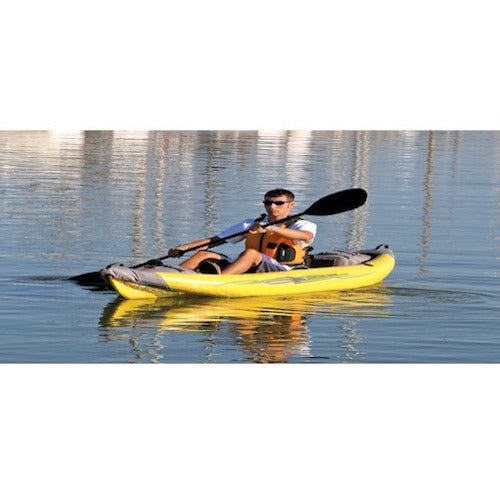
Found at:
<point>269,248</point>
<point>274,330</point>
<point>267,333</point>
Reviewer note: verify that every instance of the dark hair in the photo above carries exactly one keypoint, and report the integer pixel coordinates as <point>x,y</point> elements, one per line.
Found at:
<point>280,192</point>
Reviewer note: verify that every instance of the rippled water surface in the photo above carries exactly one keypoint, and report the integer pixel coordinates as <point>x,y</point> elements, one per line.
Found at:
<point>74,202</point>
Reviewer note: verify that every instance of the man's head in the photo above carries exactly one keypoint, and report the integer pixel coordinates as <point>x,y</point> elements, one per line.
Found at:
<point>279,203</point>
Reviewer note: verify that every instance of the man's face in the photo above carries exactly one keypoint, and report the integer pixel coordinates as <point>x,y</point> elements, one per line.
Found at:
<point>278,207</point>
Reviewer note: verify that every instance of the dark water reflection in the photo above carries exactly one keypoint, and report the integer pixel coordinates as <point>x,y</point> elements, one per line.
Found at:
<point>72,202</point>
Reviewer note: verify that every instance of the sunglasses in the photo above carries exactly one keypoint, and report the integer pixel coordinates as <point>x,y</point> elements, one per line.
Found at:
<point>268,203</point>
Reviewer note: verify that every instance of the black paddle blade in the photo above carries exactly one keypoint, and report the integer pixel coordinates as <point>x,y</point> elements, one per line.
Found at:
<point>338,202</point>
<point>93,279</point>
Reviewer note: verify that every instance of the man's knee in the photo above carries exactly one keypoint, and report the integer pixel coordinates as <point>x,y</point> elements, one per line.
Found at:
<point>207,254</point>
<point>199,256</point>
<point>252,255</point>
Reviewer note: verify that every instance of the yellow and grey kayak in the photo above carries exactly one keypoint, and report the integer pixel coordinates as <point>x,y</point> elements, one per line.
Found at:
<point>156,282</point>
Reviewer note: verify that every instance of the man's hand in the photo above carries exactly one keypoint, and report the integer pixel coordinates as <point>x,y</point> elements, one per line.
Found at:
<point>259,229</point>
<point>176,252</point>
<point>180,250</point>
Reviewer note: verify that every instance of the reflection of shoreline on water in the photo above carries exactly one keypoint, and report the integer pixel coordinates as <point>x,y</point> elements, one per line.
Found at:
<point>268,331</point>
<point>427,220</point>
<point>128,177</point>
<point>453,142</point>
<point>356,233</point>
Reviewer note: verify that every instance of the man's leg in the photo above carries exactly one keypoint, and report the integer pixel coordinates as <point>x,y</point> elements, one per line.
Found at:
<point>249,258</point>
<point>194,261</point>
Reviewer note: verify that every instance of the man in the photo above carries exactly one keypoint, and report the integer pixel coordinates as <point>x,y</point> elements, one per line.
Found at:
<point>271,248</point>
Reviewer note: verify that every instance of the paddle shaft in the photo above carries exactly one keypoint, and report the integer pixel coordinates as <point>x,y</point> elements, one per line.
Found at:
<point>216,241</point>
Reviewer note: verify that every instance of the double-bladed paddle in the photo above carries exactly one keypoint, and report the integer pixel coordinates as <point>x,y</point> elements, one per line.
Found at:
<point>331,204</point>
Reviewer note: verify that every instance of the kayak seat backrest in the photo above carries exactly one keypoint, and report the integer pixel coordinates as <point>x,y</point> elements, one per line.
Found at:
<point>344,258</point>
<point>338,258</point>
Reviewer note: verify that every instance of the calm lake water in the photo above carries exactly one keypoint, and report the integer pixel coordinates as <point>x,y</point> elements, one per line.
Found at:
<point>72,202</point>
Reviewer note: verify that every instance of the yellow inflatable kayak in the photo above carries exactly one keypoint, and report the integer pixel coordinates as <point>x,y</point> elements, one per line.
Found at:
<point>156,282</point>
